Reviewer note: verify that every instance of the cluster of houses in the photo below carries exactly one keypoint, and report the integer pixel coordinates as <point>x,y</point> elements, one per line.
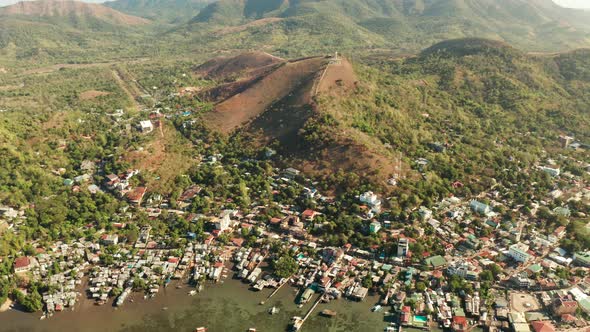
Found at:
<point>472,238</point>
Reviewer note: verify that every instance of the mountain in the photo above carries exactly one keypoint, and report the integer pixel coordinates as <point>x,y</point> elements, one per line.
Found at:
<point>536,25</point>
<point>446,105</point>
<point>66,31</point>
<point>74,13</point>
<point>160,10</point>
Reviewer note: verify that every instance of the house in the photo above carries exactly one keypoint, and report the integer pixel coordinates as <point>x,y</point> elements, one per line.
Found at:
<point>223,222</point>
<point>136,195</point>
<point>564,305</point>
<point>109,239</point>
<point>582,258</point>
<point>519,252</point>
<point>480,208</point>
<point>189,193</point>
<point>554,172</point>
<point>291,173</point>
<point>374,227</point>
<point>403,247</point>
<point>406,315</point>
<point>111,181</point>
<point>460,324</point>
<point>22,264</point>
<point>372,200</point>
<point>543,326</point>
<point>146,126</point>
<point>309,215</point>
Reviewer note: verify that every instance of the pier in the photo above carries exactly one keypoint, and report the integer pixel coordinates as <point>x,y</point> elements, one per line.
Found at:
<point>315,305</point>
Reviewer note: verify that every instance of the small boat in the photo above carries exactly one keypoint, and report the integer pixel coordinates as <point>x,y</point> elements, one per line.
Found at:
<point>165,308</point>
<point>251,329</point>
<point>296,323</point>
<point>328,313</point>
<point>178,286</point>
<point>376,308</point>
<point>273,310</point>
<point>201,329</point>
<point>192,293</point>
<point>43,317</point>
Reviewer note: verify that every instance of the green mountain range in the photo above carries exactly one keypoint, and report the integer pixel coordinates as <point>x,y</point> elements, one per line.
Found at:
<point>170,11</point>
<point>535,25</point>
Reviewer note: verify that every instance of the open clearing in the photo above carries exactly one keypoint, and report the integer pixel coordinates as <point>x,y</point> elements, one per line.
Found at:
<point>523,302</point>
<point>91,94</point>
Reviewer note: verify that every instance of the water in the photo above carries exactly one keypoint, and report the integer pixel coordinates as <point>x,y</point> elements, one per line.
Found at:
<point>224,307</point>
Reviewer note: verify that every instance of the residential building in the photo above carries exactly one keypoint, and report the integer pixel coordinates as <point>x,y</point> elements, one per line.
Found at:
<point>22,264</point>
<point>109,239</point>
<point>519,252</point>
<point>403,247</point>
<point>374,227</point>
<point>564,305</point>
<point>582,258</point>
<point>480,208</point>
<point>146,126</point>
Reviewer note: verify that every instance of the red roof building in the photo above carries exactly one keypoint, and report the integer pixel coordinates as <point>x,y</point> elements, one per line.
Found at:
<point>309,214</point>
<point>135,196</point>
<point>22,264</point>
<point>541,326</point>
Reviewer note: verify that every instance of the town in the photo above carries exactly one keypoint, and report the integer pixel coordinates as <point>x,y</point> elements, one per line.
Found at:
<point>462,263</point>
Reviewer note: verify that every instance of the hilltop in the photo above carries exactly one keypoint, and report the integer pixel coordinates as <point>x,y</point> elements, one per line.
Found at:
<point>459,96</point>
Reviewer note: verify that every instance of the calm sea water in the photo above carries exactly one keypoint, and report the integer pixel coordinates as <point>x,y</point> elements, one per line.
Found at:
<point>223,307</point>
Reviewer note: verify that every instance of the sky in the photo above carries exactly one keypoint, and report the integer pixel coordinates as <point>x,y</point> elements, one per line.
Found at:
<point>571,3</point>
<point>564,3</point>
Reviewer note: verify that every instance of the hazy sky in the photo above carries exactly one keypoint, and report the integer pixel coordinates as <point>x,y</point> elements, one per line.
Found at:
<point>564,3</point>
<point>574,3</point>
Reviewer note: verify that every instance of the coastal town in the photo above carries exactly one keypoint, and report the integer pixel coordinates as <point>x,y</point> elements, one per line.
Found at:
<point>462,263</point>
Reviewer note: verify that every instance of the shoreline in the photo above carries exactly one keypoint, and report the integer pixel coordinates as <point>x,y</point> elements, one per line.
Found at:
<point>6,305</point>
<point>228,305</point>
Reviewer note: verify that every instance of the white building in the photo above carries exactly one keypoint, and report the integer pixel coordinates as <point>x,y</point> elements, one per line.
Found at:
<point>519,252</point>
<point>146,126</point>
<point>224,220</point>
<point>403,247</point>
<point>372,200</point>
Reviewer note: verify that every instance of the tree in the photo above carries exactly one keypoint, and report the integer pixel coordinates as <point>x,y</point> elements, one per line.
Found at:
<point>285,266</point>
<point>420,286</point>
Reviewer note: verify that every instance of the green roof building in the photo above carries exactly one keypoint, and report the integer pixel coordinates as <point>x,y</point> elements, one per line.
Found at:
<point>436,261</point>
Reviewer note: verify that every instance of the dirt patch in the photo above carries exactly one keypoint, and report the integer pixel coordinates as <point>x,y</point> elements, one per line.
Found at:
<point>246,26</point>
<point>241,65</point>
<point>91,94</point>
<point>338,76</point>
<point>267,90</point>
<point>523,302</point>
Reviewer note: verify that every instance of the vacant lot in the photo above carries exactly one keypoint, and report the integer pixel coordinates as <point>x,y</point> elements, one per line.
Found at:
<point>523,302</point>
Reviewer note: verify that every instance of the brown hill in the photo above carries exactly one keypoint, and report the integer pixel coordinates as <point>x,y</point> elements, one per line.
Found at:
<point>279,101</point>
<point>69,10</point>
<point>244,64</point>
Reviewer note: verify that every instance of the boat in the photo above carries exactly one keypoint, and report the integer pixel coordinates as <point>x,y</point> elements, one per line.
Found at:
<point>296,323</point>
<point>201,329</point>
<point>273,310</point>
<point>328,313</point>
<point>251,329</point>
<point>192,293</point>
<point>376,308</point>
